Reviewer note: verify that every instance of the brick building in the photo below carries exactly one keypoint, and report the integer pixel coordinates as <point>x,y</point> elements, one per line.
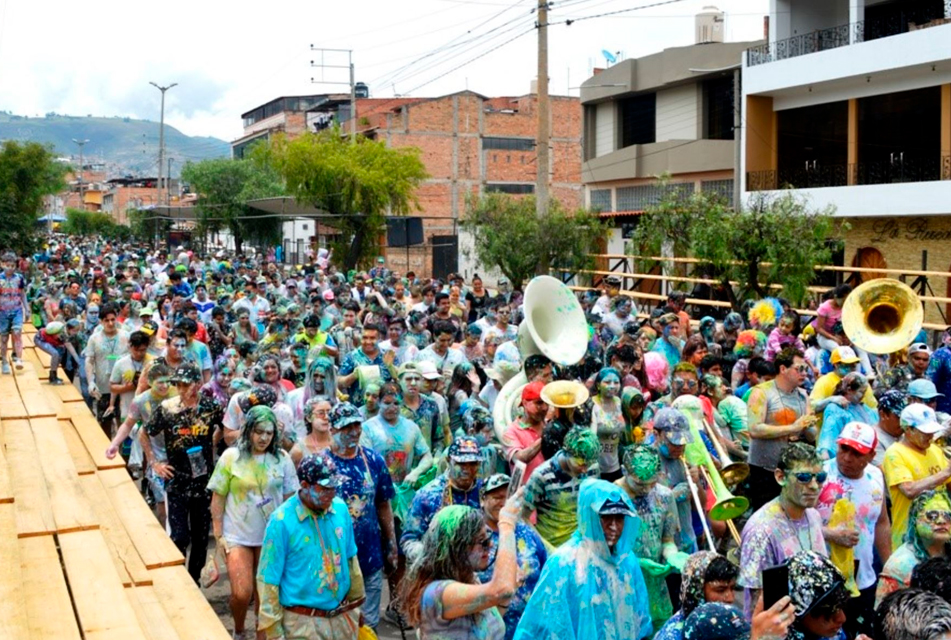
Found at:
<point>123,194</point>
<point>470,145</point>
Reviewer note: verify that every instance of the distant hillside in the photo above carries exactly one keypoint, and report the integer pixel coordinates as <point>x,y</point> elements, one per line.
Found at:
<point>126,145</point>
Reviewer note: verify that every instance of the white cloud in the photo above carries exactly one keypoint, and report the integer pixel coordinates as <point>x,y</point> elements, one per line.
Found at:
<point>98,56</point>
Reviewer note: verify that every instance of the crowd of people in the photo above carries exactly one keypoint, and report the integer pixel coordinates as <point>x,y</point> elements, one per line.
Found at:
<point>334,433</point>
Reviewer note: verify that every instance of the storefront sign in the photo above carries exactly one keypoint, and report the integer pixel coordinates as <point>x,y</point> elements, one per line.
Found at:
<point>917,229</point>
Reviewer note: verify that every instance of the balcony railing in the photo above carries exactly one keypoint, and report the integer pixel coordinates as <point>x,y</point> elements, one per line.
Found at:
<point>892,171</point>
<point>914,15</point>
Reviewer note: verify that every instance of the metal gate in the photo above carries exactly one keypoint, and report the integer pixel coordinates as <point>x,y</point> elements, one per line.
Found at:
<point>445,255</point>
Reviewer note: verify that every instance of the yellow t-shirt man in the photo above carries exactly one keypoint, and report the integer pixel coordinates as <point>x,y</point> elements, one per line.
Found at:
<point>904,464</point>
<point>825,388</point>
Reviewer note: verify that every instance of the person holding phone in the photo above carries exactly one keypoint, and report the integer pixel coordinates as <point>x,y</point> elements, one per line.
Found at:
<point>786,525</point>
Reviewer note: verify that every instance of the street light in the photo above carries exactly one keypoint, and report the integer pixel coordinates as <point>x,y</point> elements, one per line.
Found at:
<point>161,161</point>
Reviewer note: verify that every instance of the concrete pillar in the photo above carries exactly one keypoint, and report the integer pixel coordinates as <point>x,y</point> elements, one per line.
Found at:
<point>856,20</point>
<point>946,132</point>
<point>853,136</point>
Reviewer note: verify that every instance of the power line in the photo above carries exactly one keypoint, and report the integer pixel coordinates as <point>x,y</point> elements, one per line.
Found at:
<point>570,21</point>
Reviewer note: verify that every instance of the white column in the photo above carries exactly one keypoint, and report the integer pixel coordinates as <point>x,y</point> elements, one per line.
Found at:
<point>856,20</point>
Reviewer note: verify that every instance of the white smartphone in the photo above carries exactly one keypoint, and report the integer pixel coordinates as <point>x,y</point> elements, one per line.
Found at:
<point>518,472</point>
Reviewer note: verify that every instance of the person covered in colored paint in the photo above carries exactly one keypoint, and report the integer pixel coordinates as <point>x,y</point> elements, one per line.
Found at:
<point>309,579</point>
<point>317,438</point>
<point>366,488</point>
<point>913,614</point>
<point>477,423</point>
<point>853,388</point>
<point>523,438</point>
<point>421,409</point>
<point>819,597</point>
<point>530,550</point>
<point>368,355</point>
<point>787,524</point>
<point>928,536</point>
<point>459,484</point>
<point>673,435</point>
<point>669,344</point>
<point>657,542</point>
<point>397,439</point>
<point>592,588</point>
<point>13,308</point>
<point>250,480</point>
<point>608,419</point>
<point>707,578</point>
<point>442,594</point>
<point>551,492</point>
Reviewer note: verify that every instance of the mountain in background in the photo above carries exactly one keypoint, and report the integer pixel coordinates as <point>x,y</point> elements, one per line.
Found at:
<point>125,145</point>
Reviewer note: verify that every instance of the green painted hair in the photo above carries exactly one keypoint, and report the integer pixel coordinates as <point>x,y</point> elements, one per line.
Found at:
<point>582,442</point>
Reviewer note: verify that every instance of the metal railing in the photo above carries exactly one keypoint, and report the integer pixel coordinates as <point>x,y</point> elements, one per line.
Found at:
<point>912,16</point>
<point>894,170</point>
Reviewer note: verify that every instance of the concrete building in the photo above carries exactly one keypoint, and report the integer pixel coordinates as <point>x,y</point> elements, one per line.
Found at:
<point>849,104</point>
<point>670,113</point>
<point>124,194</point>
<point>291,115</point>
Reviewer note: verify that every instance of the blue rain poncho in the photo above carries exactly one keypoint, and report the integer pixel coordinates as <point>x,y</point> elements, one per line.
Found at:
<point>586,592</point>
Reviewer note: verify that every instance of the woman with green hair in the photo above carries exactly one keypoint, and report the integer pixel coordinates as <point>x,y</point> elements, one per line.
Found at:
<point>250,480</point>
<point>441,595</point>
<point>637,416</point>
<point>928,536</point>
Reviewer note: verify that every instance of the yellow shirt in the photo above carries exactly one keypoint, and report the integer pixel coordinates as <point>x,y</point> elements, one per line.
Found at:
<point>825,388</point>
<point>904,464</point>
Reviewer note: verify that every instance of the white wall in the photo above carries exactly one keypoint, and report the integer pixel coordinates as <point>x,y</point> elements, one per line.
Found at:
<point>880,200</point>
<point>615,241</point>
<point>605,128</point>
<point>678,112</point>
<point>468,265</point>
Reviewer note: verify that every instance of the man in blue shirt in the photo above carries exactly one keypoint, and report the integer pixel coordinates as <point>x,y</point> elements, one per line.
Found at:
<point>309,579</point>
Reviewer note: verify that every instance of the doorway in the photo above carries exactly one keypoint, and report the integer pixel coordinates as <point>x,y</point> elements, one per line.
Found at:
<point>868,258</point>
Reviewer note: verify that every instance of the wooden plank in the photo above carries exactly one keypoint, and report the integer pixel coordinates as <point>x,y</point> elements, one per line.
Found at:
<point>124,555</point>
<point>154,546</point>
<point>28,340</point>
<point>67,392</point>
<point>13,619</point>
<point>6,487</point>
<point>11,406</point>
<point>28,329</point>
<point>187,608</point>
<point>71,509</point>
<point>49,609</point>
<point>77,450</point>
<point>32,499</point>
<point>91,434</point>
<point>45,359</point>
<point>30,358</point>
<point>31,391</point>
<point>152,616</point>
<point>102,606</point>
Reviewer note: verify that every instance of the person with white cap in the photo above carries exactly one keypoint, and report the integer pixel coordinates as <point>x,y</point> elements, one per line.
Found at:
<point>923,391</point>
<point>899,377</point>
<point>914,465</point>
<point>852,477</point>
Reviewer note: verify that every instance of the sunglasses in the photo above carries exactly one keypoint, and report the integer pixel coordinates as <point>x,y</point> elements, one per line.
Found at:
<point>485,543</point>
<point>802,368</point>
<point>934,516</point>
<point>806,478</point>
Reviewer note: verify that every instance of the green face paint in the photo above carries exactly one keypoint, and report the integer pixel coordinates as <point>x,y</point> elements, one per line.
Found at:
<point>582,443</point>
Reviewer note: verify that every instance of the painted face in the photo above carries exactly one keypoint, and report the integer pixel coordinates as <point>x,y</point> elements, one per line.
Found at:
<point>272,372</point>
<point>443,342</point>
<point>347,438</point>
<point>934,521</point>
<point>390,407</point>
<point>918,438</point>
<point>644,341</point>
<point>919,362</point>
<point>463,474</point>
<point>138,352</point>
<point>479,553</point>
<point>610,386</point>
<point>9,267</point>
<point>824,625</point>
<point>394,333</point>
<point>492,503</point>
<point>320,421</point>
<point>719,591</point>
<point>261,436</point>
<point>161,387</point>
<point>624,310</point>
<point>802,484</point>
<point>842,369</point>
<point>684,384</point>
<point>576,465</point>
<point>640,487</point>
<point>320,498</point>
<point>410,383</point>
<point>612,526</point>
<point>368,341</point>
<point>535,410</point>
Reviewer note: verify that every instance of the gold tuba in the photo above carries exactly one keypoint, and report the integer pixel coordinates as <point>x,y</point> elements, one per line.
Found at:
<point>882,316</point>
<point>554,326</point>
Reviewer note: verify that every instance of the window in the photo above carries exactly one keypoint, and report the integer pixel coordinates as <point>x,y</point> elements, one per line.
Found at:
<point>510,187</point>
<point>722,188</point>
<point>601,199</point>
<point>638,120</point>
<point>509,144</point>
<point>718,109</point>
<point>644,196</point>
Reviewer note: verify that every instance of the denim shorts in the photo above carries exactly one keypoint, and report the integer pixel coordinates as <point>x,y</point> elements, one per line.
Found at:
<point>11,321</point>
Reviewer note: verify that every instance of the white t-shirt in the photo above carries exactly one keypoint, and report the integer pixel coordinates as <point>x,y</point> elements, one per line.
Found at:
<point>254,486</point>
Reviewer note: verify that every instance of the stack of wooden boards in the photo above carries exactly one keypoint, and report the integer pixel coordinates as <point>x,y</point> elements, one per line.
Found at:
<point>81,554</point>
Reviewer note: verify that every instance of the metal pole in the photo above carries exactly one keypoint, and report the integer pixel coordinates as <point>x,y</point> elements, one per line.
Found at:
<point>161,160</point>
<point>81,143</point>
<point>544,115</point>
<point>353,102</point>
<point>168,180</point>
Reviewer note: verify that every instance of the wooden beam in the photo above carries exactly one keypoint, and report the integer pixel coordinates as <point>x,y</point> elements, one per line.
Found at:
<point>125,557</point>
<point>71,509</point>
<point>11,406</point>
<point>77,450</point>
<point>31,392</point>
<point>187,608</point>
<point>32,499</point>
<point>91,434</point>
<point>6,487</point>
<point>152,615</point>
<point>13,616</point>
<point>49,608</point>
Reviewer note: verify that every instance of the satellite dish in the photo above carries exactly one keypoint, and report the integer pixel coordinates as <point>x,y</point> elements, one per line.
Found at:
<point>610,57</point>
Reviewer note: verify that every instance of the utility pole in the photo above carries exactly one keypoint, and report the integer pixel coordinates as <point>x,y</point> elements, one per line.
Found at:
<point>353,82</point>
<point>161,144</point>
<point>82,199</point>
<point>544,113</point>
<point>168,182</point>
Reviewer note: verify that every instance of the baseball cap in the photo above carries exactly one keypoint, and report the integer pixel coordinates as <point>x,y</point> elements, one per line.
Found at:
<point>923,388</point>
<point>532,391</point>
<point>187,373</point>
<point>319,469</point>
<point>859,436</point>
<point>613,281</point>
<point>408,367</point>
<point>495,481</point>
<point>844,355</point>
<point>261,280</point>
<point>465,449</point>
<point>675,424</point>
<point>291,283</point>
<point>428,370</point>
<point>921,417</point>
<point>503,371</point>
<point>919,347</point>
<point>328,295</point>
<point>344,414</point>
<point>615,507</point>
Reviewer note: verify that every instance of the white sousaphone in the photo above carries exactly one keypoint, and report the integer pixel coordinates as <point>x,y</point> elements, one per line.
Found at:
<point>555,327</point>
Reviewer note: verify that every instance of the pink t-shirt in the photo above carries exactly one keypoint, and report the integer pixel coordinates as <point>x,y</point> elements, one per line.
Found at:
<point>828,315</point>
<point>519,437</point>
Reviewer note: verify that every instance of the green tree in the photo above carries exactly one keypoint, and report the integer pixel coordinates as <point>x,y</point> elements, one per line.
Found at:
<point>224,187</point>
<point>775,240</point>
<point>28,172</point>
<point>359,182</point>
<point>507,233</point>
<point>93,223</point>
<point>147,225</point>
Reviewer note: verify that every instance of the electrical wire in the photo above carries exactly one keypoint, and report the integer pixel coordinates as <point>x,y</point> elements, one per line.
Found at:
<point>570,21</point>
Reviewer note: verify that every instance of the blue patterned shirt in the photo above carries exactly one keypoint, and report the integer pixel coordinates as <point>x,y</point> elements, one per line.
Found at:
<point>531,555</point>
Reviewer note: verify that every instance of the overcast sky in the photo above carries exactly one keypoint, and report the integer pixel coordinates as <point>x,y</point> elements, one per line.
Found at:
<point>98,56</point>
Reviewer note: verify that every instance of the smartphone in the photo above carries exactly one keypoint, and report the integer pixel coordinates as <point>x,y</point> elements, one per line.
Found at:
<point>518,472</point>
<point>775,584</point>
